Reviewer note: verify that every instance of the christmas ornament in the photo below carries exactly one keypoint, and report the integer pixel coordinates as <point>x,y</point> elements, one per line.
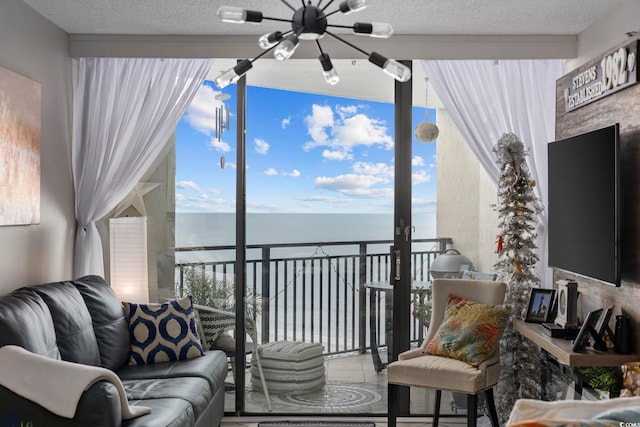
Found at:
<point>499,243</point>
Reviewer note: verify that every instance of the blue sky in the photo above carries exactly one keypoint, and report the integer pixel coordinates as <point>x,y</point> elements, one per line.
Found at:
<point>306,153</point>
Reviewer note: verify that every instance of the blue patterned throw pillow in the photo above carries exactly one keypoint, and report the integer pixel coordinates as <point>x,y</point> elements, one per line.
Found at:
<point>162,332</point>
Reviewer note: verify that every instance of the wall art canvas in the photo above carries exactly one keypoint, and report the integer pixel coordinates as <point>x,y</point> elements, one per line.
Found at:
<point>20,107</point>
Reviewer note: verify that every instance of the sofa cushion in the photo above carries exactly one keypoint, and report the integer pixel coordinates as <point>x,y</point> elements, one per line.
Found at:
<point>25,321</point>
<point>109,322</point>
<point>162,332</point>
<point>169,412</point>
<point>194,390</point>
<point>212,366</point>
<point>72,321</point>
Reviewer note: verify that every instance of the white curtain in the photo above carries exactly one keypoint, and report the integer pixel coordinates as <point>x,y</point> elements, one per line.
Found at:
<point>125,111</point>
<point>486,98</point>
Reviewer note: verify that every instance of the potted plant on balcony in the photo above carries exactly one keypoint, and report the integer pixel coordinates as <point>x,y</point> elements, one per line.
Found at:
<point>208,290</point>
<point>422,305</point>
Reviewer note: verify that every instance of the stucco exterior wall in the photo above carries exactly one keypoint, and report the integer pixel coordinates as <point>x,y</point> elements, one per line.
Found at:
<point>465,195</point>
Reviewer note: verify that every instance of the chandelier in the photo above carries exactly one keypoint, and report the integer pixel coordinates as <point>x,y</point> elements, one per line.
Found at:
<point>309,22</point>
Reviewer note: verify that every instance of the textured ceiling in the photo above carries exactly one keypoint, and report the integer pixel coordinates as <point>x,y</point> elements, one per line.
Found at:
<point>431,17</point>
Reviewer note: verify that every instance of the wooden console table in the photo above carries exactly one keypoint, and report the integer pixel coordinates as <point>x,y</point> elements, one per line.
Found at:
<point>559,351</point>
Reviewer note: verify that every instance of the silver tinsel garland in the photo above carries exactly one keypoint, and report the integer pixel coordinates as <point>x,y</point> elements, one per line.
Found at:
<point>518,206</point>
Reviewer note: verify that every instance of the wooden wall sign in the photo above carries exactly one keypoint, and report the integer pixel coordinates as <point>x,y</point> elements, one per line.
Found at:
<point>617,69</point>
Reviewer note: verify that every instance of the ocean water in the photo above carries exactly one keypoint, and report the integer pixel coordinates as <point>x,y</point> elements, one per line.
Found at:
<point>218,229</point>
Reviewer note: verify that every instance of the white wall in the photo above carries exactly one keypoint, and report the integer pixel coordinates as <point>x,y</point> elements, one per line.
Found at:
<point>607,33</point>
<point>465,196</point>
<point>33,47</point>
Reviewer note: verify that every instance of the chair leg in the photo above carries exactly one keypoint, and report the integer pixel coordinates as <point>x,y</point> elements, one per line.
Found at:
<point>436,408</point>
<point>491,406</point>
<point>472,410</point>
<point>264,382</point>
<point>392,405</point>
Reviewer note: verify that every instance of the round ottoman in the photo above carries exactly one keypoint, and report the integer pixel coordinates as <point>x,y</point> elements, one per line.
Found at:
<point>290,366</point>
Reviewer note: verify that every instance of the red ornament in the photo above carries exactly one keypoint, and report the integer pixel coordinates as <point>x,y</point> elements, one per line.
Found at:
<point>500,243</point>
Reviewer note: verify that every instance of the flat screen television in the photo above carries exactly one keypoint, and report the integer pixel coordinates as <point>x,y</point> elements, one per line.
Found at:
<point>584,210</point>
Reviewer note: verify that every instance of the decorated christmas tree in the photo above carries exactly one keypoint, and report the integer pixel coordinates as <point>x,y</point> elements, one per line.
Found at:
<point>518,208</point>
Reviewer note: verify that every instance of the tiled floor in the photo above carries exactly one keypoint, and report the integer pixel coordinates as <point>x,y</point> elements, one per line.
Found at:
<point>353,389</point>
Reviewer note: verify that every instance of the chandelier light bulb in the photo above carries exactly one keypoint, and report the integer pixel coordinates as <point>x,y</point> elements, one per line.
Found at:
<point>238,15</point>
<point>328,71</point>
<point>286,48</point>
<point>232,75</point>
<point>398,71</point>
<point>375,29</point>
<point>391,67</point>
<point>349,6</point>
<point>270,39</point>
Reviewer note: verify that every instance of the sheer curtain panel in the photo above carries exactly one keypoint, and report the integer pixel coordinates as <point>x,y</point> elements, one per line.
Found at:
<point>486,98</point>
<point>125,111</point>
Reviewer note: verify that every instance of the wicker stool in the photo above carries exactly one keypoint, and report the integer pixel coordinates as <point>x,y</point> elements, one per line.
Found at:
<point>290,366</point>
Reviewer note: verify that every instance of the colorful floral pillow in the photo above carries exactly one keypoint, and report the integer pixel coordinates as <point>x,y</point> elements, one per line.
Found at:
<point>470,331</point>
<point>162,332</point>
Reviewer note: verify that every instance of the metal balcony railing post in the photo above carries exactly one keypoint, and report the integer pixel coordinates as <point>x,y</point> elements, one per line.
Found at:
<point>266,293</point>
<point>362,299</point>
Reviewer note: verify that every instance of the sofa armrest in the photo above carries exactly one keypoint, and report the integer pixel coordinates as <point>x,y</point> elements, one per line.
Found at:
<point>98,406</point>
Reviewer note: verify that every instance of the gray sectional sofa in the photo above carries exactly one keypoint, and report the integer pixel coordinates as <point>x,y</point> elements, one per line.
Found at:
<point>82,321</point>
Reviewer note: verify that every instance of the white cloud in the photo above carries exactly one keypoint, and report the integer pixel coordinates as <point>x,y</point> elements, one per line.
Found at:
<point>362,130</point>
<point>348,130</point>
<point>231,165</point>
<point>347,181</point>
<point>420,177</point>
<point>220,146</point>
<point>180,197</point>
<point>326,199</point>
<point>380,169</point>
<point>321,117</point>
<point>261,146</point>
<point>417,161</point>
<point>201,114</point>
<point>337,155</point>
<point>188,185</point>
<point>215,191</point>
<point>271,172</point>
<point>285,122</point>
<point>294,173</point>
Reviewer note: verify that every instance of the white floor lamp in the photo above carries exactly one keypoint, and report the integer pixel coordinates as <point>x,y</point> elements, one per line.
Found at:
<point>128,248</point>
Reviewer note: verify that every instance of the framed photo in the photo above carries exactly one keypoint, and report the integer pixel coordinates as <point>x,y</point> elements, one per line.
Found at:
<point>540,303</point>
<point>588,328</point>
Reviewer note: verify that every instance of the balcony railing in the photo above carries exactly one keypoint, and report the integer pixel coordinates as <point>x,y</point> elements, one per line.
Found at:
<point>320,296</point>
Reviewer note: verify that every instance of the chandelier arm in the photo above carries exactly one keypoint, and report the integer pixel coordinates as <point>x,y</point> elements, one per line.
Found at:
<point>288,5</point>
<point>264,52</point>
<point>326,15</point>
<point>347,43</point>
<point>319,47</point>
<point>327,5</point>
<point>340,26</point>
<point>319,3</point>
<point>268,18</point>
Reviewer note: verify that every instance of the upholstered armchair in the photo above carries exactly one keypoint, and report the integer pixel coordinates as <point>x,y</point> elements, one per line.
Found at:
<point>418,368</point>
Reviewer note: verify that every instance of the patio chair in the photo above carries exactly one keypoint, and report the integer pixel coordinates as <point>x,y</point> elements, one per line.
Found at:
<point>417,368</point>
<point>215,322</point>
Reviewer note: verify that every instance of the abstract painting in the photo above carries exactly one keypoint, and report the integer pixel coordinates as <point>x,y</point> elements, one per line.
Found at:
<point>19,149</point>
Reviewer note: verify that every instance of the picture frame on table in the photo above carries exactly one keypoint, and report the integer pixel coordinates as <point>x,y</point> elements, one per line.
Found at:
<point>540,306</point>
<point>587,330</point>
